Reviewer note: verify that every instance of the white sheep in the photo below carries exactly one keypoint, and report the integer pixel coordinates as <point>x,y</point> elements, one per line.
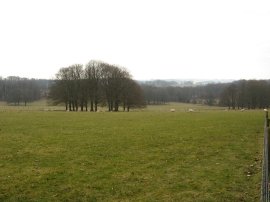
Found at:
<point>172,110</point>
<point>190,110</point>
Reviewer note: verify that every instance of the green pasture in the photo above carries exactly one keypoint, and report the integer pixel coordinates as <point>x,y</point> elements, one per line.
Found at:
<point>145,155</point>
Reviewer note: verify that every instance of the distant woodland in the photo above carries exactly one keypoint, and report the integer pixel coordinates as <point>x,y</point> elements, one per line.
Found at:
<point>20,91</point>
<point>249,94</point>
<point>79,87</point>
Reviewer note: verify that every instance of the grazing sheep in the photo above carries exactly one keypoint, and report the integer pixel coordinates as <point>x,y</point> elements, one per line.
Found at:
<point>266,110</point>
<point>190,110</point>
<point>172,110</point>
<point>242,110</point>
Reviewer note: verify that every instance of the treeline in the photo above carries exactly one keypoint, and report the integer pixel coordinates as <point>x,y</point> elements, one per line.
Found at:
<point>207,94</point>
<point>16,90</point>
<point>250,94</point>
<point>98,83</point>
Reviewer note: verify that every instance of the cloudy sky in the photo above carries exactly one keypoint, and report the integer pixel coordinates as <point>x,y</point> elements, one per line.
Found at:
<point>153,39</point>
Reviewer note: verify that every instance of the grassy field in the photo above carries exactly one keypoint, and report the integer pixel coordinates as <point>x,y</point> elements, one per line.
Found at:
<point>148,155</point>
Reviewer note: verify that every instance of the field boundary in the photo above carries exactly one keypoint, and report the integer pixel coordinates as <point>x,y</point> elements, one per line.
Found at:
<point>265,162</point>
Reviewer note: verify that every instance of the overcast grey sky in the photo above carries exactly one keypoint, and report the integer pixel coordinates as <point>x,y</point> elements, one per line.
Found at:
<point>153,39</point>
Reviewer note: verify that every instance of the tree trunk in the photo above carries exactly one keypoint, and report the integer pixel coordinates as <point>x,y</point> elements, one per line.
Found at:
<point>96,106</point>
<point>76,104</point>
<point>124,106</point>
<point>109,106</point>
<point>86,106</point>
<point>69,104</point>
<point>82,106</point>
<point>92,106</point>
<point>116,106</point>
<point>73,106</point>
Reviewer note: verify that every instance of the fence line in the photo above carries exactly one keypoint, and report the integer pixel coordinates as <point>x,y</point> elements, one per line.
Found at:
<point>265,162</point>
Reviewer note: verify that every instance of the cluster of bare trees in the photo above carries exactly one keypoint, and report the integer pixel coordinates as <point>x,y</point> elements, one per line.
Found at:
<point>98,83</point>
<point>248,94</point>
<point>16,90</point>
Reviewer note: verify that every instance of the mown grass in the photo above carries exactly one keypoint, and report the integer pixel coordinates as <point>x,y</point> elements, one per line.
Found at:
<point>209,155</point>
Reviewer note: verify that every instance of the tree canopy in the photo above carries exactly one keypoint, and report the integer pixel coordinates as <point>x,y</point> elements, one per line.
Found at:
<point>98,83</point>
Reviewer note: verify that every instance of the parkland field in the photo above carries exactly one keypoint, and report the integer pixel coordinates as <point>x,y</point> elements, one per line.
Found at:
<point>144,155</point>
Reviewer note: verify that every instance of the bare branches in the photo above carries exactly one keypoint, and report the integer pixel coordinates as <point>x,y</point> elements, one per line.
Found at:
<point>98,83</point>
